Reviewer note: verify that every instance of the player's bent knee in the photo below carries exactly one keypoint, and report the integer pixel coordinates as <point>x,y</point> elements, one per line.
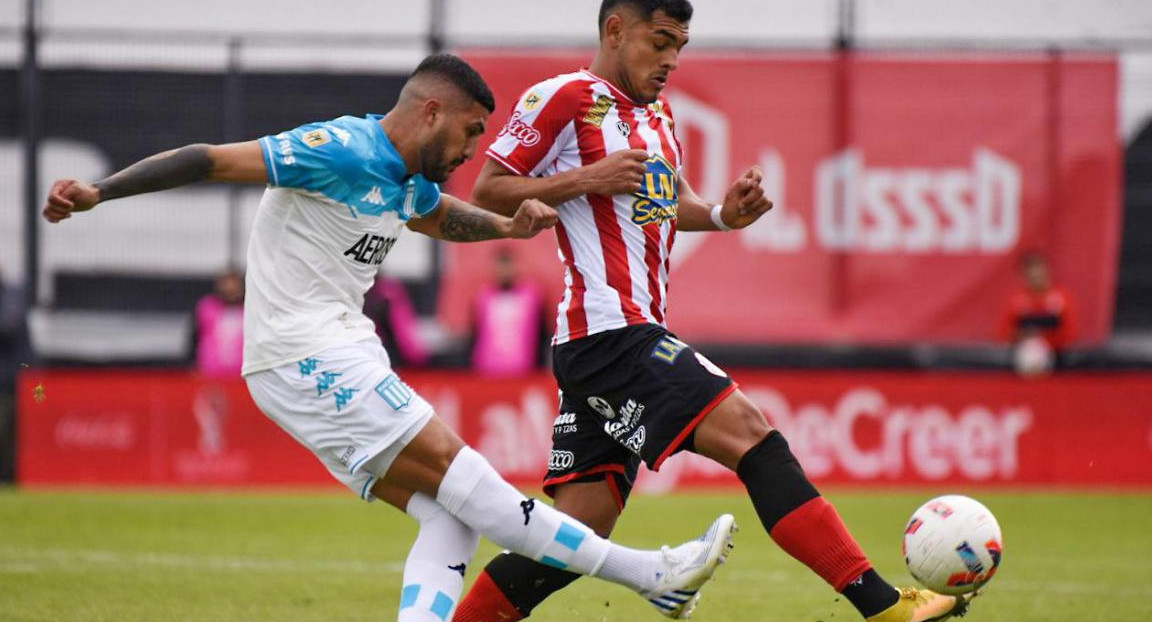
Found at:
<point>728,432</point>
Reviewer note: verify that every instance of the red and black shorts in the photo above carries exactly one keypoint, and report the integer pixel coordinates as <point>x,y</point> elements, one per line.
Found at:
<point>627,395</point>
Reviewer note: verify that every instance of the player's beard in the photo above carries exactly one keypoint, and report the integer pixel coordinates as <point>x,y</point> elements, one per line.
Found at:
<point>432,160</point>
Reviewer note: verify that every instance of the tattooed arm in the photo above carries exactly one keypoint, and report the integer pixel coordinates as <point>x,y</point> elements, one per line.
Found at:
<point>238,162</point>
<point>456,221</point>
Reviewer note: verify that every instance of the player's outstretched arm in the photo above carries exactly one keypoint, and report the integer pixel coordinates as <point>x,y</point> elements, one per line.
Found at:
<point>743,205</point>
<point>501,190</point>
<point>235,162</point>
<point>456,221</point>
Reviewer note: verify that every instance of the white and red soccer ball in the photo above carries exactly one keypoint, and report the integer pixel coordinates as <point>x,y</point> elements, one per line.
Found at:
<point>953,544</point>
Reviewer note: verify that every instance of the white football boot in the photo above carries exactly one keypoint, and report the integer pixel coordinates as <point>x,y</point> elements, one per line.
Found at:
<point>688,567</point>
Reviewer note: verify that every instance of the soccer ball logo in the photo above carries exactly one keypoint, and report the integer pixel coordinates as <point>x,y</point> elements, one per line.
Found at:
<point>953,545</point>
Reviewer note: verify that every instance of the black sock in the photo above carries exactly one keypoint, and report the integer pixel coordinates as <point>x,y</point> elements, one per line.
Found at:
<point>524,582</point>
<point>777,486</point>
<point>775,482</point>
<point>870,594</point>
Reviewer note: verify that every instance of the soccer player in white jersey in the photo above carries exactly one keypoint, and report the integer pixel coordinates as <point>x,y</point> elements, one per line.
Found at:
<point>339,193</point>
<point>600,145</point>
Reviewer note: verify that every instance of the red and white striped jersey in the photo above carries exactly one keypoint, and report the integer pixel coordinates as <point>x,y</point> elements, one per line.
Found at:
<point>615,249</point>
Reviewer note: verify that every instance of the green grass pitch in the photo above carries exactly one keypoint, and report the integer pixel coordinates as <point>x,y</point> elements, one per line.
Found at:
<point>257,556</point>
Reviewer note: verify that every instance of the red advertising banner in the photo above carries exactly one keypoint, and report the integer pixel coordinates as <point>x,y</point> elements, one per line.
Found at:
<point>149,428</point>
<point>906,186</point>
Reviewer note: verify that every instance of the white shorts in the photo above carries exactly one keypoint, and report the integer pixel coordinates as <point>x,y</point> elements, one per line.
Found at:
<point>347,406</point>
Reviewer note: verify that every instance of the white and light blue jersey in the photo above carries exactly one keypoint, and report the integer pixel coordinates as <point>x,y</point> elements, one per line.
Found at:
<point>338,198</point>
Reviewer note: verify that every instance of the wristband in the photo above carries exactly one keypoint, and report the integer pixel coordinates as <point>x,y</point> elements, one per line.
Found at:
<point>717,220</point>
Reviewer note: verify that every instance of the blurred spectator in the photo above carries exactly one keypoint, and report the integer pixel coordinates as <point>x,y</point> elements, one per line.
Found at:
<point>510,336</point>
<point>14,350</point>
<point>389,306</point>
<point>1040,320</point>
<point>220,328</point>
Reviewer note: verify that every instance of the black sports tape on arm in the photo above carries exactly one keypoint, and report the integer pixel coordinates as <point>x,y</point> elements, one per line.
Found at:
<point>162,171</point>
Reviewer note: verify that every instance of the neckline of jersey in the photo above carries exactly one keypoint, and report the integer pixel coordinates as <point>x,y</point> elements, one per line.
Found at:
<point>615,89</point>
<point>393,162</point>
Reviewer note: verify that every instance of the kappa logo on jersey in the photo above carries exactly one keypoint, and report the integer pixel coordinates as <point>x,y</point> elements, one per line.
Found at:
<point>523,133</point>
<point>370,249</point>
<point>374,196</point>
<point>325,381</point>
<point>315,138</point>
<point>308,366</point>
<point>595,115</point>
<point>659,196</point>
<point>343,395</point>
<point>531,101</point>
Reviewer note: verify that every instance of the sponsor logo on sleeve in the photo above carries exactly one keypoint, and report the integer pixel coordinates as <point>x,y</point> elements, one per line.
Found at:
<point>596,113</point>
<point>532,101</point>
<point>284,148</point>
<point>523,133</point>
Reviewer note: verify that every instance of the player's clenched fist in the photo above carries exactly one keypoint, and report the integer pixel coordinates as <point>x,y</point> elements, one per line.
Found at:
<point>620,172</point>
<point>67,196</point>
<point>745,202</point>
<point>531,218</point>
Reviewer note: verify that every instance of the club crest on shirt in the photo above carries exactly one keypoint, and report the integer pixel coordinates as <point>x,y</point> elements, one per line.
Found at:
<point>658,197</point>
<point>624,128</point>
<point>315,138</point>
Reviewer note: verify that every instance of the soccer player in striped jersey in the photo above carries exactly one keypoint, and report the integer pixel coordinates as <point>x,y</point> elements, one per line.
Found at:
<point>339,194</point>
<point>600,145</point>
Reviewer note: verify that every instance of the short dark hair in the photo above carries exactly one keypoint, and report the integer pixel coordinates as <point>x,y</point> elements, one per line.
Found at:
<point>457,72</point>
<point>680,10</point>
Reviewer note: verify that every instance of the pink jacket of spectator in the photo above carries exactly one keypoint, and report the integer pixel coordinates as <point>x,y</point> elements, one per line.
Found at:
<point>507,329</point>
<point>401,321</point>
<point>220,340</point>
